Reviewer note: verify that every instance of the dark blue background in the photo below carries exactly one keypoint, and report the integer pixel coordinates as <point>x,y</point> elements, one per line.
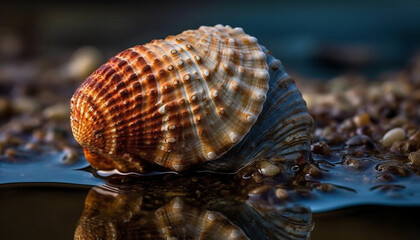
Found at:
<point>314,38</point>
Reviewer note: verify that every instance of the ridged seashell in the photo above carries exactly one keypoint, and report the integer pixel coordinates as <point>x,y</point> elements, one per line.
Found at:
<point>110,214</point>
<point>203,95</point>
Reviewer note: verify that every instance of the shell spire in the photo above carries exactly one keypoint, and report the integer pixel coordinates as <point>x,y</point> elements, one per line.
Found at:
<point>176,102</point>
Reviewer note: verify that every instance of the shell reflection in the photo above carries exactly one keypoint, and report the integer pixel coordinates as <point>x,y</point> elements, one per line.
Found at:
<point>133,214</point>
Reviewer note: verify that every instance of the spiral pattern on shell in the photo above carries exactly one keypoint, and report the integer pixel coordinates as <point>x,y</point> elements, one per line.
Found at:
<point>176,102</point>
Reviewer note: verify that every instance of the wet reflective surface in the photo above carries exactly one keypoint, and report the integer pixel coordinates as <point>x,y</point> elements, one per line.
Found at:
<point>357,177</point>
<point>351,176</point>
<point>209,205</point>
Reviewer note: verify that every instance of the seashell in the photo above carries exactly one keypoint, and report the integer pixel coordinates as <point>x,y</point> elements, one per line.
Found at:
<point>133,213</point>
<point>212,98</point>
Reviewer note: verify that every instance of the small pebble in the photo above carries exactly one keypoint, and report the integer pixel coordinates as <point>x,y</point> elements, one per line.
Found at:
<point>10,140</point>
<point>282,194</point>
<point>414,140</point>
<point>11,45</point>
<point>260,190</point>
<point>325,187</point>
<point>10,153</point>
<point>364,130</point>
<point>347,126</point>
<point>360,140</point>
<point>2,148</point>
<point>225,192</point>
<point>70,155</point>
<point>257,177</point>
<point>57,112</point>
<point>32,146</point>
<point>410,127</point>
<point>362,119</point>
<point>354,163</point>
<point>414,158</point>
<point>4,107</point>
<point>400,147</point>
<point>194,179</point>
<point>25,105</point>
<point>335,138</point>
<point>376,133</point>
<point>395,134</point>
<point>358,154</point>
<point>83,62</point>
<point>321,148</point>
<point>268,169</point>
<point>398,121</point>
<point>55,134</point>
<point>313,171</point>
<point>408,107</point>
<point>176,194</point>
<point>411,131</point>
<point>385,177</point>
<point>246,172</point>
<point>278,160</point>
<point>38,135</point>
<point>392,168</point>
<point>327,131</point>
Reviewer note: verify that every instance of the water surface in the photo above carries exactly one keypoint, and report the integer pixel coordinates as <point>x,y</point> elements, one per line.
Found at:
<point>50,199</point>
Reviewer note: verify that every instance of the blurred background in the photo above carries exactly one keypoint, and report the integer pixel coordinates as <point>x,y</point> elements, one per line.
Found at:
<point>48,48</point>
<point>318,39</point>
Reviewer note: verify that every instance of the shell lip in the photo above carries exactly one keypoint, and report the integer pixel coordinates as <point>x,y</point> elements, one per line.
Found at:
<point>115,177</point>
<point>116,172</point>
